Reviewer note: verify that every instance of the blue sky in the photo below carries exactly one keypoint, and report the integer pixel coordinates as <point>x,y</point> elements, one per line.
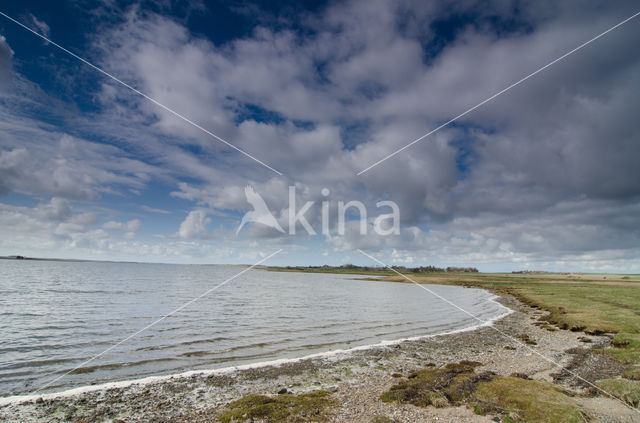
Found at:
<point>543,177</point>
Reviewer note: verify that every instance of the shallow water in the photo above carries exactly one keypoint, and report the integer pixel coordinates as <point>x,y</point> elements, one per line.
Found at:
<point>55,315</point>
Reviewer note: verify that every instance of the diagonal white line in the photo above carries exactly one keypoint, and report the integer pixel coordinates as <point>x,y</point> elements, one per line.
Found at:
<point>506,335</point>
<point>158,321</point>
<point>151,99</point>
<point>498,93</point>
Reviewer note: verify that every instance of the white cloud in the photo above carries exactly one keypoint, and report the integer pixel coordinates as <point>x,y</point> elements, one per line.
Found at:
<point>39,26</point>
<point>37,161</point>
<point>130,226</point>
<point>154,210</point>
<point>194,225</point>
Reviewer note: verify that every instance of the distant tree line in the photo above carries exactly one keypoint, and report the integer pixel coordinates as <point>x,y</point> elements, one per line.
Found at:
<point>420,269</point>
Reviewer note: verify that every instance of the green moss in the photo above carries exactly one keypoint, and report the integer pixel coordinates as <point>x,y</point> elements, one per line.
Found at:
<point>283,408</point>
<point>626,390</point>
<point>516,399</point>
<point>382,419</point>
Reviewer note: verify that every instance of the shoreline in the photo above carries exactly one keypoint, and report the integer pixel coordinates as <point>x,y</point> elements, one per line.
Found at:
<point>18,399</point>
<point>356,378</point>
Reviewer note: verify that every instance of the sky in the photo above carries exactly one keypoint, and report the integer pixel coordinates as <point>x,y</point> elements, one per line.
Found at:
<point>545,176</point>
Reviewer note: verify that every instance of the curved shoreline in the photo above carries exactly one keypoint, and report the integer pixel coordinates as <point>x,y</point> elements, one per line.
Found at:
<point>18,399</point>
<point>355,378</point>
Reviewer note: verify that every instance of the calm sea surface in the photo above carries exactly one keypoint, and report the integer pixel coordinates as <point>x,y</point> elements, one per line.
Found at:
<point>55,315</point>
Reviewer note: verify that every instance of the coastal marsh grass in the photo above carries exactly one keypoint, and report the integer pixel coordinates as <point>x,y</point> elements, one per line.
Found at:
<point>626,347</point>
<point>627,390</point>
<point>310,406</point>
<point>520,400</point>
<point>438,387</point>
<point>632,373</point>
<point>513,398</point>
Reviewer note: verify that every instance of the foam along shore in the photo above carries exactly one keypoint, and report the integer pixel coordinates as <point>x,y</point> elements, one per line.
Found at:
<point>231,369</point>
<point>356,378</point>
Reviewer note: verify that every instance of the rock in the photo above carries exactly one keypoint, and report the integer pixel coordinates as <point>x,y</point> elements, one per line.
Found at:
<point>283,391</point>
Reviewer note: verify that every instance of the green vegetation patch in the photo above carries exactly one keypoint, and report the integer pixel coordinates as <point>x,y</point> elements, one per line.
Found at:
<point>437,387</point>
<point>520,400</point>
<point>632,372</point>
<point>311,406</point>
<point>626,347</point>
<point>514,398</point>
<point>626,390</point>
